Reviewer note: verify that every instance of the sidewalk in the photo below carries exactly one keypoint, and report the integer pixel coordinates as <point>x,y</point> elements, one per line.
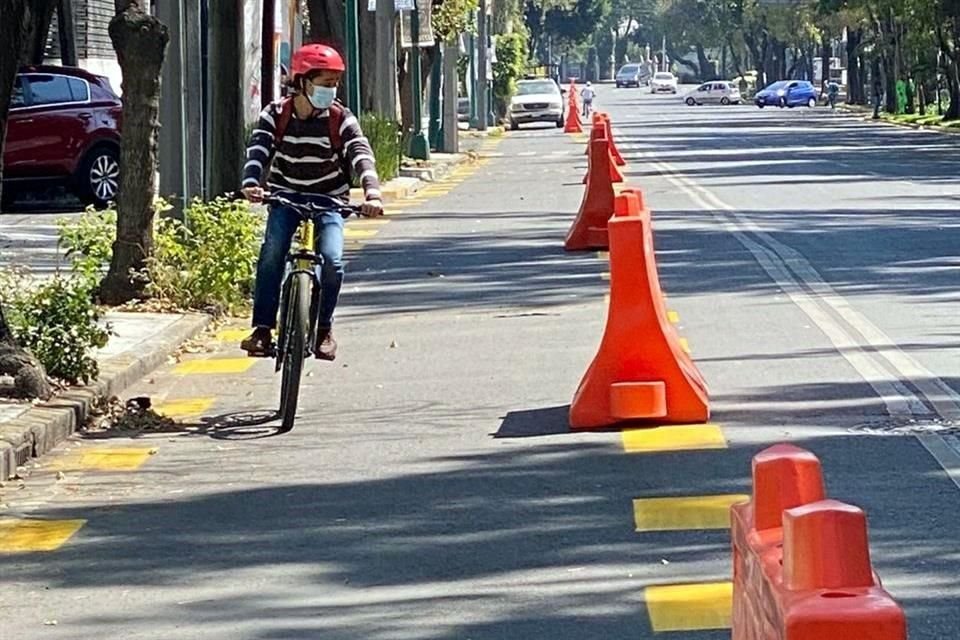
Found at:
<point>141,342</point>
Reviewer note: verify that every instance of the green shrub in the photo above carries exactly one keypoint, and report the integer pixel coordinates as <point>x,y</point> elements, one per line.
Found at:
<point>207,261</point>
<point>382,133</point>
<point>88,241</point>
<point>58,322</point>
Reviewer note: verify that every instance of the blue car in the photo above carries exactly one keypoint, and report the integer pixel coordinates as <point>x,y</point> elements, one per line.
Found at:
<point>788,93</point>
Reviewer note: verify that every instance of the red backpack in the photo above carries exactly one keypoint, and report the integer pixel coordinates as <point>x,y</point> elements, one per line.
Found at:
<point>336,121</point>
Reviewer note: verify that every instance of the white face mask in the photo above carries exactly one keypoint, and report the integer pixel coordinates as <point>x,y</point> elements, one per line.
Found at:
<point>323,97</point>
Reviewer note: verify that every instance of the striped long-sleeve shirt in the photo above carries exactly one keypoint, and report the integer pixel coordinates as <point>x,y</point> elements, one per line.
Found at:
<point>305,161</point>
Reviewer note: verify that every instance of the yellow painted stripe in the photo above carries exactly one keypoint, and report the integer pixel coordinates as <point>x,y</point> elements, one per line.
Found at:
<point>368,222</point>
<point>214,366</point>
<point>605,275</point>
<point>690,607</point>
<point>673,438</point>
<point>603,255</point>
<point>435,192</point>
<point>104,459</point>
<point>673,317</point>
<point>232,335</point>
<point>685,345</point>
<point>685,513</point>
<point>357,234</point>
<point>184,407</point>
<point>26,536</point>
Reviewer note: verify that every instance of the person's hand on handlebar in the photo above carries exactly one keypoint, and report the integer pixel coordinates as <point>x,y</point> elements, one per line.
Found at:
<point>255,195</point>
<point>371,209</point>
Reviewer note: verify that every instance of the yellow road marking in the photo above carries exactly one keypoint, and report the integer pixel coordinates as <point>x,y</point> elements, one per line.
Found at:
<point>673,317</point>
<point>214,366</point>
<point>603,255</point>
<point>357,234</point>
<point>605,275</point>
<point>685,513</point>
<point>690,607</point>
<point>685,345</point>
<point>25,536</point>
<point>368,222</point>
<point>434,192</point>
<point>673,438</point>
<point>232,335</point>
<point>104,459</point>
<point>184,408</point>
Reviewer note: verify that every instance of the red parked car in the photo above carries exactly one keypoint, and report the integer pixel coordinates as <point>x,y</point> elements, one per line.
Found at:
<point>63,128</point>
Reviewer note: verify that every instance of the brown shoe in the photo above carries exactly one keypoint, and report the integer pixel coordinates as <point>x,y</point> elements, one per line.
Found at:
<point>258,344</point>
<point>325,347</point>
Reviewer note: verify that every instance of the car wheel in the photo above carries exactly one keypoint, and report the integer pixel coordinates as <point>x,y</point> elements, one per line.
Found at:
<point>514,125</point>
<point>812,102</point>
<point>724,100</point>
<point>691,102</point>
<point>98,179</point>
<point>783,102</point>
<point>760,105</point>
<point>560,123</point>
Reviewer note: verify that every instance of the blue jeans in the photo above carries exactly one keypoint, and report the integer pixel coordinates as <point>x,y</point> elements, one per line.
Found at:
<point>282,223</point>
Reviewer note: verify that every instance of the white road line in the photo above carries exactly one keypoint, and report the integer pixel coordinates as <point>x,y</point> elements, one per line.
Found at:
<point>870,353</point>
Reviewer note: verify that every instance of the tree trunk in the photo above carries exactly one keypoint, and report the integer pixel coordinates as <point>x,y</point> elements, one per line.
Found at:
<point>29,376</point>
<point>327,23</point>
<point>825,54</point>
<point>855,92</point>
<point>368,59</point>
<point>952,73</point>
<point>707,72</point>
<point>140,41</point>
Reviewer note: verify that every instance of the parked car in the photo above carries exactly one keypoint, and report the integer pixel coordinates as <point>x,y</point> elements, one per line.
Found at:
<point>714,93</point>
<point>663,82</point>
<point>537,100</point>
<point>787,93</point>
<point>63,128</point>
<point>632,75</point>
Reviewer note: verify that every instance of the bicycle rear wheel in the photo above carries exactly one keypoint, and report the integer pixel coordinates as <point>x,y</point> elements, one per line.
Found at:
<point>296,327</point>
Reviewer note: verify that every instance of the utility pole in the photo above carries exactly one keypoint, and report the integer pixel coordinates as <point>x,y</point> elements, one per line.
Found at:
<point>386,60</point>
<point>353,56</point>
<point>419,147</point>
<point>267,53</point>
<point>451,97</point>
<point>482,50</point>
<point>436,82</point>
<point>472,83</point>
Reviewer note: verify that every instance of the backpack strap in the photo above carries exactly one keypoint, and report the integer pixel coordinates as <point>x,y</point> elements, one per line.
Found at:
<point>336,121</point>
<point>283,121</point>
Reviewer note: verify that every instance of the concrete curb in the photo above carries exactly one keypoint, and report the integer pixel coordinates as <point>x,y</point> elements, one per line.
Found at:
<point>43,426</point>
<point>413,179</point>
<point>867,116</point>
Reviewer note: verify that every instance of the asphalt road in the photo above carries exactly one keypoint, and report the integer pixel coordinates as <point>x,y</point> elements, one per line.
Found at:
<point>431,490</point>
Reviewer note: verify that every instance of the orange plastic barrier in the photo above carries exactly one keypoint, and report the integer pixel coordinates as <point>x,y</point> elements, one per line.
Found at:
<point>614,151</point>
<point>589,228</point>
<point>640,372</point>
<point>600,130</point>
<point>801,563</point>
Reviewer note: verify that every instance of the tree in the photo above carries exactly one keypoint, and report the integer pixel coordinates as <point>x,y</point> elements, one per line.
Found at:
<point>20,23</point>
<point>140,41</point>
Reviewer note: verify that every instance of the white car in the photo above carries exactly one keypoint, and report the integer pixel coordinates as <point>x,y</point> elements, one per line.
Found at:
<point>537,100</point>
<point>663,82</point>
<point>714,93</point>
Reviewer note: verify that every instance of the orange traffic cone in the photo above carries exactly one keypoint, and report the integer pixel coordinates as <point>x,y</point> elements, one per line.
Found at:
<point>640,372</point>
<point>589,229</point>
<point>573,121</point>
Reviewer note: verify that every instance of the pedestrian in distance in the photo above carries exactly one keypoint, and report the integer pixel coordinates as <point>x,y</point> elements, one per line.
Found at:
<point>587,95</point>
<point>306,145</point>
<point>877,97</point>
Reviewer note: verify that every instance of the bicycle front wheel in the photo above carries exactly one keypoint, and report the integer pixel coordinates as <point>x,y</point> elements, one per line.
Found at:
<point>296,327</point>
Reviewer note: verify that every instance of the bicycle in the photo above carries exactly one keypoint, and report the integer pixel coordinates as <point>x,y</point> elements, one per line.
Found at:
<point>300,297</point>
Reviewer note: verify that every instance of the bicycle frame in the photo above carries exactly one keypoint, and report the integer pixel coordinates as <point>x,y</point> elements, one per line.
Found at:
<point>301,259</point>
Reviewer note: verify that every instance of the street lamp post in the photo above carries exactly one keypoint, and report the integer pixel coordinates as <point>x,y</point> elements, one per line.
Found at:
<point>353,56</point>
<point>419,147</point>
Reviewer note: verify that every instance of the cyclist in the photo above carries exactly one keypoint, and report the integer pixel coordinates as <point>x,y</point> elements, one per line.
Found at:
<point>308,145</point>
<point>587,94</point>
<point>833,90</point>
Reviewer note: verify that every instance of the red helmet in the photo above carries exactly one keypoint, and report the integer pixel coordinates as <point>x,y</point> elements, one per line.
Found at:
<point>316,57</point>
